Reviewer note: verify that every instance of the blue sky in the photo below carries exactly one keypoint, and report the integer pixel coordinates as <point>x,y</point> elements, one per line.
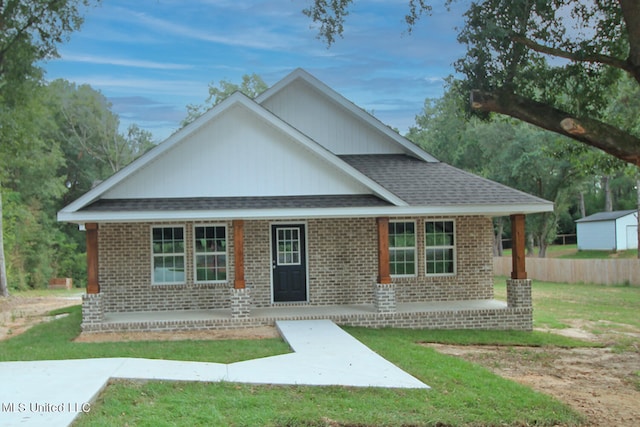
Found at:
<point>151,58</point>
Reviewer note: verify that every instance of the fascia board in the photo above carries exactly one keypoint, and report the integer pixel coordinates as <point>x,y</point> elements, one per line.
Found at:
<point>249,214</point>
<point>348,105</point>
<point>153,154</point>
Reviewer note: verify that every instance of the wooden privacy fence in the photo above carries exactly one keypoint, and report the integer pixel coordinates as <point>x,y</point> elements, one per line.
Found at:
<point>601,271</point>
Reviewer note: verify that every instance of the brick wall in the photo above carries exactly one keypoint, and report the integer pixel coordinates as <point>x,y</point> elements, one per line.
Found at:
<point>341,258</point>
<point>124,252</point>
<point>474,264</point>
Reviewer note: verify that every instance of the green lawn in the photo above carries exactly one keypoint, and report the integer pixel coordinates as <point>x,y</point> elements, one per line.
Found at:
<point>599,308</point>
<point>53,341</point>
<point>463,394</point>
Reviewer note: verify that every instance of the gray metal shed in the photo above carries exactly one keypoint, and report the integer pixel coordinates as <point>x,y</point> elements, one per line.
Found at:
<point>616,231</point>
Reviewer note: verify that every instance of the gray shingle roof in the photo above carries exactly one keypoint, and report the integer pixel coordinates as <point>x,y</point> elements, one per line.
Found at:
<point>422,183</point>
<point>606,216</point>
<point>219,203</point>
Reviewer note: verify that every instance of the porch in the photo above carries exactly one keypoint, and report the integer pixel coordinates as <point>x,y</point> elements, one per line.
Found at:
<point>471,314</point>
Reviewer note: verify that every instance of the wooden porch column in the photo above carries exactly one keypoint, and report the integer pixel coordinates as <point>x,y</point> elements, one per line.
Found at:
<point>384,276</point>
<point>518,258</point>
<point>93,286</point>
<point>238,253</point>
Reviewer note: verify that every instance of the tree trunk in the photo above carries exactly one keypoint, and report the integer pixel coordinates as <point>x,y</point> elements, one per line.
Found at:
<point>497,237</point>
<point>608,197</point>
<point>583,210</point>
<point>4,287</point>
<point>595,133</point>
<point>530,244</point>
<point>542,251</point>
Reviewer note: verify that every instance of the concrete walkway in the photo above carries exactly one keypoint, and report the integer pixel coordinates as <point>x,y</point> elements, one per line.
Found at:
<point>53,393</point>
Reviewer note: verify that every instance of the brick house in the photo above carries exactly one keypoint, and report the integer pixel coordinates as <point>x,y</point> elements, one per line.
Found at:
<point>296,205</point>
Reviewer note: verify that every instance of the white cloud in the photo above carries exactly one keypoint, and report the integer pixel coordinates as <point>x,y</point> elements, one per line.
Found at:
<point>124,62</point>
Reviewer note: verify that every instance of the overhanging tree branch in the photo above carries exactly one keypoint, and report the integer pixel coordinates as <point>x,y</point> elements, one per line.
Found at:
<point>576,56</point>
<point>589,131</point>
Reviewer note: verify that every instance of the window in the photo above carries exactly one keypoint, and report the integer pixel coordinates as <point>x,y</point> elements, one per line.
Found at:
<point>402,248</point>
<point>289,246</point>
<point>210,253</point>
<point>168,255</point>
<point>440,248</point>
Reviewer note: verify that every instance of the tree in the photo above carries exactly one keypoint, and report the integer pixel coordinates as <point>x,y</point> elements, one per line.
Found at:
<point>504,150</point>
<point>89,134</point>
<point>546,62</point>
<point>30,31</point>
<point>252,86</point>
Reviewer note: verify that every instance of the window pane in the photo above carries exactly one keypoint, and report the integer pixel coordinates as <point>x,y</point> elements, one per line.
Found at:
<point>168,269</point>
<point>211,258</point>
<point>168,254</point>
<point>402,248</point>
<point>288,246</point>
<point>440,247</point>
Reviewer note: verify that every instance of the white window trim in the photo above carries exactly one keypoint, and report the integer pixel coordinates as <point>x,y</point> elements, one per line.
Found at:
<point>195,254</point>
<point>454,247</point>
<point>414,247</point>
<point>153,256</point>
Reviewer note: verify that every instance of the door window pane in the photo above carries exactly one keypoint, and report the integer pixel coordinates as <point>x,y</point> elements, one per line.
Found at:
<point>288,246</point>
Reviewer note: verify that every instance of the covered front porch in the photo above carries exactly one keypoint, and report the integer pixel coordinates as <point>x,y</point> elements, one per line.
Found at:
<point>376,305</point>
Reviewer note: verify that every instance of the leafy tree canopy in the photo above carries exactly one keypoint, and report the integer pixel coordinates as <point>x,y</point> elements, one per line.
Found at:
<point>546,62</point>
<point>30,31</point>
<point>252,86</point>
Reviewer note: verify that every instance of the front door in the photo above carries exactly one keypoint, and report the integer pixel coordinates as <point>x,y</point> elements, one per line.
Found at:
<point>289,264</point>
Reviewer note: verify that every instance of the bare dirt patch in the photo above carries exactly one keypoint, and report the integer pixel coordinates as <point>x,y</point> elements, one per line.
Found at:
<point>247,334</point>
<point>18,314</point>
<point>601,383</point>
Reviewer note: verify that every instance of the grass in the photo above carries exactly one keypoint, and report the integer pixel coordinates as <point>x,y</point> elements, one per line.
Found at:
<point>463,394</point>
<point>54,341</point>
<point>604,307</point>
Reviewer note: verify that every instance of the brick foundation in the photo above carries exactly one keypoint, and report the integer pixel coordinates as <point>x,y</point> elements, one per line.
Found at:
<point>92,311</point>
<point>519,293</point>
<point>494,319</point>
<point>385,298</point>
<point>240,303</point>
<point>519,298</point>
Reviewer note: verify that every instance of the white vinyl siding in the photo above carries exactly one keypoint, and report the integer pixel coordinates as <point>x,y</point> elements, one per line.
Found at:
<point>263,161</point>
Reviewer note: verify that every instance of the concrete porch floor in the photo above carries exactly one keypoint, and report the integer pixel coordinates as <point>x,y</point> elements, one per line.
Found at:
<point>285,312</point>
